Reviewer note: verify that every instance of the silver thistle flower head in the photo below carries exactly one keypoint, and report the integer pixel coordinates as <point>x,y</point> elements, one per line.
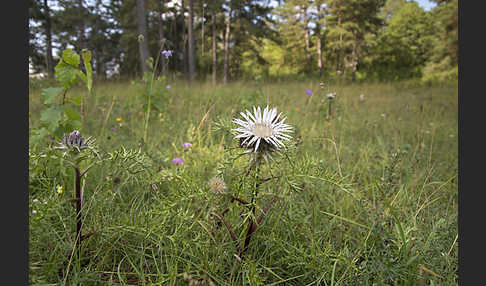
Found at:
<point>73,142</point>
<point>262,132</point>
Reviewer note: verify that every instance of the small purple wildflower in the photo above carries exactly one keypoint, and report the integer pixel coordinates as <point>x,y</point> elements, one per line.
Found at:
<point>167,53</point>
<point>168,86</point>
<point>177,161</point>
<point>309,92</point>
<point>187,144</point>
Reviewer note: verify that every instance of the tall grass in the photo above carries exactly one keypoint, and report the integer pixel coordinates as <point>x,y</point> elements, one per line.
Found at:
<point>371,200</point>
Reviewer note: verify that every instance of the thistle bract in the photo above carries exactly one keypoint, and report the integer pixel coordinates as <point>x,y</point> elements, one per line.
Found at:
<point>262,132</point>
<point>73,142</point>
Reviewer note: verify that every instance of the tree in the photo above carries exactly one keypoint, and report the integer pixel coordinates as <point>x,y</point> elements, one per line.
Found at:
<point>49,59</point>
<point>226,46</point>
<point>39,26</point>
<point>191,52</point>
<point>143,35</point>
<point>443,62</point>
<point>321,11</point>
<point>215,62</point>
<point>352,25</point>
<point>403,45</point>
<point>292,29</point>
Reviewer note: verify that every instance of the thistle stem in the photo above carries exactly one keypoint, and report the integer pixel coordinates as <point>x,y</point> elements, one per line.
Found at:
<point>78,206</point>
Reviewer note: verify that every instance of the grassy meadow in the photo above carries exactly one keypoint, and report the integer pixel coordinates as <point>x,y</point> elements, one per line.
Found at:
<point>365,196</point>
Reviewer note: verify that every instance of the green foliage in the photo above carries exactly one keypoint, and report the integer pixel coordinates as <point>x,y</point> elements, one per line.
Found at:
<point>88,77</point>
<point>364,40</point>
<point>442,66</point>
<point>67,69</point>
<point>50,94</point>
<point>60,116</point>
<point>369,195</point>
<point>404,44</point>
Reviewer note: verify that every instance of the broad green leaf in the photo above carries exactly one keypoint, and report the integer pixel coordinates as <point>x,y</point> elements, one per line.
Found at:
<point>50,94</point>
<point>66,74</point>
<point>72,114</point>
<point>71,57</point>
<point>51,117</point>
<point>75,100</point>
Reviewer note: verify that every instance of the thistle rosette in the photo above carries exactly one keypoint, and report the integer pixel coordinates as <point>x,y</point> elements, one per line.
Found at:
<point>262,132</point>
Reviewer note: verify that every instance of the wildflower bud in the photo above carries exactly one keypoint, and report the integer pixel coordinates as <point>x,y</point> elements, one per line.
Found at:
<point>73,141</point>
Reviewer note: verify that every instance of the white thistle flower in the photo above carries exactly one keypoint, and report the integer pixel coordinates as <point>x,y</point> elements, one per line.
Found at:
<point>262,132</point>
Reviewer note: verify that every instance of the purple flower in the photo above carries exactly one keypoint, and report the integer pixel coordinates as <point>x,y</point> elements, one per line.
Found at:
<point>187,144</point>
<point>177,161</point>
<point>167,53</point>
<point>168,86</point>
<point>309,92</point>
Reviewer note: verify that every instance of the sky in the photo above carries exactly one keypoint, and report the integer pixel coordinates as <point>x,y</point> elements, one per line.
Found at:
<point>426,4</point>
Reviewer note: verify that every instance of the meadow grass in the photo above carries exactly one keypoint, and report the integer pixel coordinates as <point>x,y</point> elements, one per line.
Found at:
<point>368,196</point>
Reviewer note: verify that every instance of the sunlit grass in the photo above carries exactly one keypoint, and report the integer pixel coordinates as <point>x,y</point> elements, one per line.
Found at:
<point>375,197</point>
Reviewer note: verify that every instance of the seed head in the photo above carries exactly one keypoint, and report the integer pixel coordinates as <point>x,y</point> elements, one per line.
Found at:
<point>217,185</point>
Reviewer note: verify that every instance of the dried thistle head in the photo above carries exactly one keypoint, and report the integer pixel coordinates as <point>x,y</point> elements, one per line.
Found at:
<point>217,185</point>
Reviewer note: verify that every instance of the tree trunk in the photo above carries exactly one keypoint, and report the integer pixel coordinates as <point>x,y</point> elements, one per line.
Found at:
<point>319,44</point>
<point>49,59</point>
<point>202,31</point>
<point>226,47</point>
<point>213,22</point>
<point>82,29</point>
<point>307,41</point>
<point>184,42</point>
<point>142,30</point>
<point>161,37</point>
<point>354,62</point>
<point>99,65</point>
<point>192,53</point>
<point>338,63</point>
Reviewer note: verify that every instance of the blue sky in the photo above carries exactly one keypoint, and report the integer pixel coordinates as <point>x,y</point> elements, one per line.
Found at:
<point>426,4</point>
